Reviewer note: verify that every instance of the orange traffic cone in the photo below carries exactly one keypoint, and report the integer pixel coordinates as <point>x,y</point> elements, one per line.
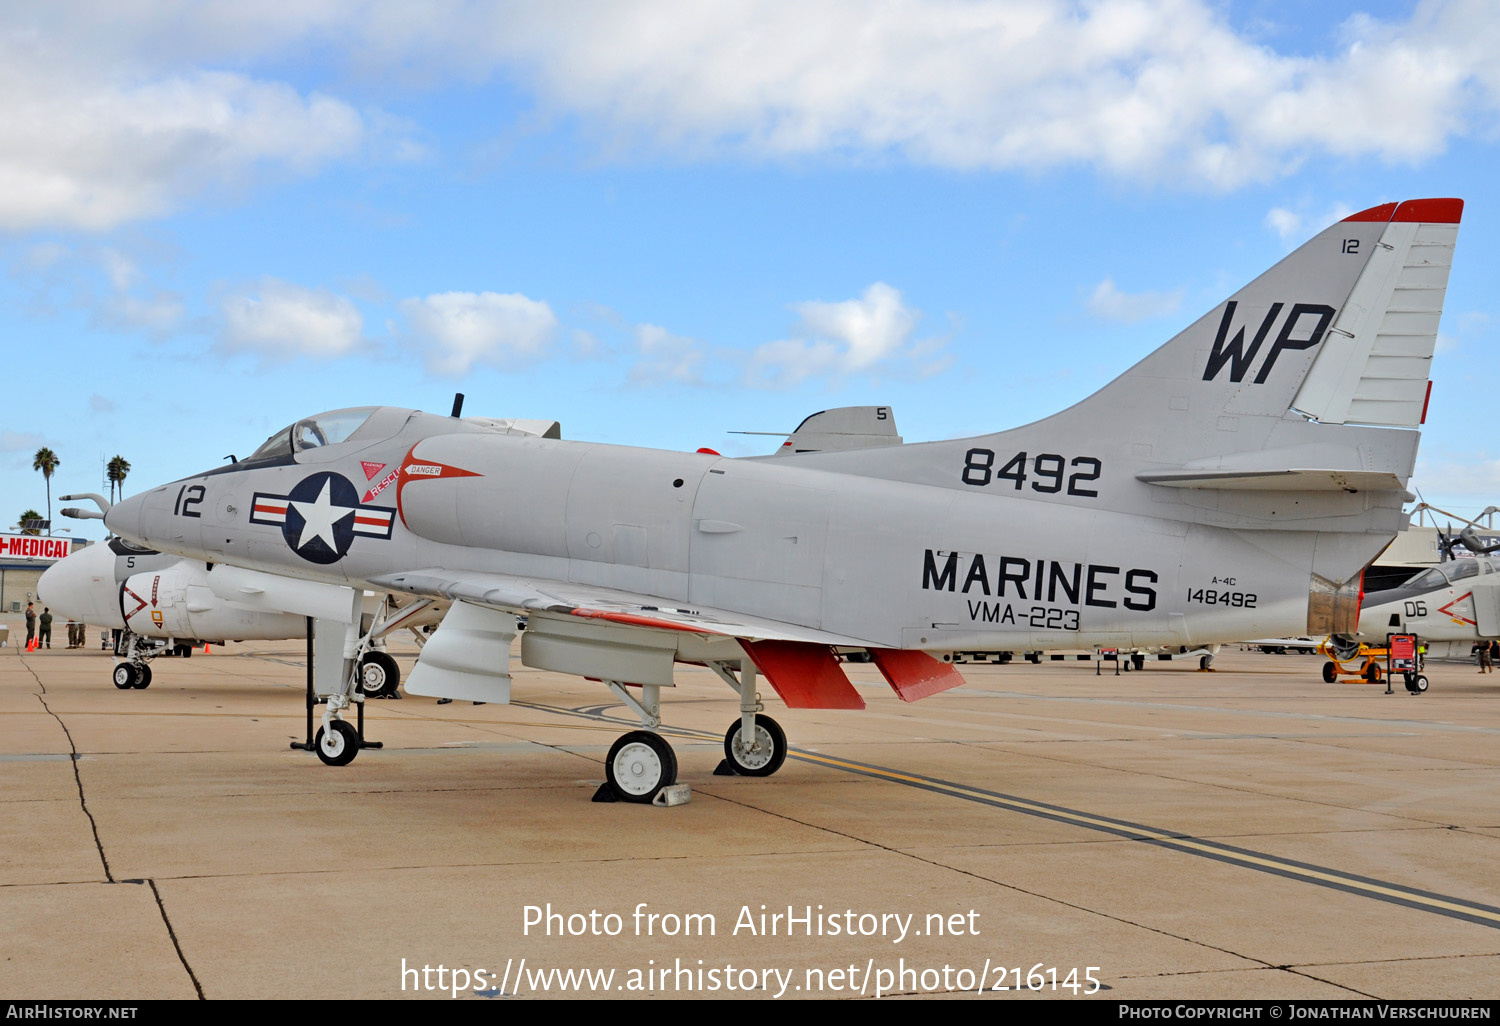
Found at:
<point>207,649</point>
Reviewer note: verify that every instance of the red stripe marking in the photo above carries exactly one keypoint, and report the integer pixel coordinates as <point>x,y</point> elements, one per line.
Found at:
<point>373,521</point>
<point>1380,213</point>
<point>641,621</point>
<point>1425,401</point>
<point>1448,609</point>
<point>805,675</point>
<point>913,675</point>
<point>1432,211</point>
<point>261,508</point>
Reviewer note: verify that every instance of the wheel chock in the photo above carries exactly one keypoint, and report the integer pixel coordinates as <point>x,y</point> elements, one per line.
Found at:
<point>604,794</point>
<point>725,769</point>
<point>673,794</point>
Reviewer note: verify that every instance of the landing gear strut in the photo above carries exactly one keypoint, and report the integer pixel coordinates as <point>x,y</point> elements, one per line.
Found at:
<point>761,757</point>
<point>641,762</point>
<point>135,671</point>
<point>754,744</point>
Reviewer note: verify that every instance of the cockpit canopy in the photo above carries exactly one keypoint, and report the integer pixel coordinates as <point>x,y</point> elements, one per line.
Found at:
<point>1448,573</point>
<point>313,432</point>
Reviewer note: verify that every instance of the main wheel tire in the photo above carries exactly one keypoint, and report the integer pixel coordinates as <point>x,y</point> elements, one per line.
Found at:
<point>124,676</point>
<point>639,765</point>
<point>1330,673</point>
<point>143,676</point>
<point>378,675</point>
<point>766,758</point>
<point>339,746</point>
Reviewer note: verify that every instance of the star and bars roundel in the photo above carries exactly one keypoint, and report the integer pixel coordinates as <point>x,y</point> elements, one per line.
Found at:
<point>321,516</point>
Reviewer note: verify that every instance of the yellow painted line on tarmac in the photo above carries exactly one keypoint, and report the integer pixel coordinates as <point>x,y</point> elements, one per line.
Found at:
<point>1322,876</point>
<point>1383,890</point>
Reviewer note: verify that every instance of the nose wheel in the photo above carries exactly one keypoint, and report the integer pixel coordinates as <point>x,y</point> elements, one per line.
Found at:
<point>639,765</point>
<point>338,745</point>
<point>760,756</point>
<point>131,675</point>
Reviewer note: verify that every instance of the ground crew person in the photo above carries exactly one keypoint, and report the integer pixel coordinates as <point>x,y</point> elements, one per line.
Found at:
<point>44,637</point>
<point>30,625</point>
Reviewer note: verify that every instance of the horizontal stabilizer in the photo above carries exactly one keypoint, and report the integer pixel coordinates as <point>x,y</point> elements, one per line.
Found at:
<point>1304,480</point>
<point>914,675</point>
<point>805,676</point>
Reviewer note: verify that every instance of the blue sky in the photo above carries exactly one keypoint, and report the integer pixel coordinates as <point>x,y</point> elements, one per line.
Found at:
<point>657,222</point>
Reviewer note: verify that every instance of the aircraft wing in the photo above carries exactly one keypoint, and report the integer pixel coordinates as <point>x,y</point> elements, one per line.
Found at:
<point>799,662</point>
<point>528,595</point>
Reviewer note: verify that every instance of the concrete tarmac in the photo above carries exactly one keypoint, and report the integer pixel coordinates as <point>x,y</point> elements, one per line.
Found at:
<point>1247,833</point>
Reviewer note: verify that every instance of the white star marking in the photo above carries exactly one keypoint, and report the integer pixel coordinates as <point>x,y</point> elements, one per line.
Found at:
<point>319,518</point>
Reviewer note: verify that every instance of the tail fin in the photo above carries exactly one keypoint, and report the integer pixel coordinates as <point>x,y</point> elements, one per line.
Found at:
<point>847,427</point>
<point>1269,391</point>
<point>1341,331</point>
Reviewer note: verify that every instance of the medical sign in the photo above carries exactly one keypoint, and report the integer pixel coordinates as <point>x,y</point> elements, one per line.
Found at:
<point>33,547</point>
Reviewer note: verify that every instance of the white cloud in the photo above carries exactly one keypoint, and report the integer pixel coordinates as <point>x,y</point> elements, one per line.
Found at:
<point>91,148</point>
<point>109,112</point>
<point>848,337</point>
<point>18,441</point>
<point>459,329</point>
<point>1109,303</point>
<point>1295,228</point>
<point>667,357</point>
<point>99,404</point>
<point>1157,90</point>
<point>285,320</point>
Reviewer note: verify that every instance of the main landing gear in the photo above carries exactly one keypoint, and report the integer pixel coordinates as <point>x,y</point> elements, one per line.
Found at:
<point>135,670</point>
<point>641,763</point>
<point>379,676</point>
<point>132,675</point>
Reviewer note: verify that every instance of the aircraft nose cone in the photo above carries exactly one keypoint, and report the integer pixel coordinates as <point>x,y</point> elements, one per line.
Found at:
<point>124,517</point>
<point>82,587</point>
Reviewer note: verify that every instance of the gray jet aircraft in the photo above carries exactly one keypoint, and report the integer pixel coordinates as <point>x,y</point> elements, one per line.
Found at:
<point>1232,484</point>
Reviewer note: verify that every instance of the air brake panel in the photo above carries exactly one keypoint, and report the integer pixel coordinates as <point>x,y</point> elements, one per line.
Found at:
<point>913,675</point>
<point>805,675</point>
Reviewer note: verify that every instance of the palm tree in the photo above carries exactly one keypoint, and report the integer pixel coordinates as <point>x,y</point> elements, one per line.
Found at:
<point>118,468</point>
<point>26,515</point>
<point>46,461</point>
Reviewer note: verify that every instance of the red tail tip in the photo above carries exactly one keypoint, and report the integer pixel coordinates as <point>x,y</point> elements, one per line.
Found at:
<point>1432,211</point>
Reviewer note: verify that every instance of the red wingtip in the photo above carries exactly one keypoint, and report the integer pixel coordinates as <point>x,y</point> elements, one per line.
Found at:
<point>1431,211</point>
<point>709,452</point>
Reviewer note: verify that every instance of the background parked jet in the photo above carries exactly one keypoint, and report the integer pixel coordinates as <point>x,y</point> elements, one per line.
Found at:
<point>1232,484</point>
<point>162,604</point>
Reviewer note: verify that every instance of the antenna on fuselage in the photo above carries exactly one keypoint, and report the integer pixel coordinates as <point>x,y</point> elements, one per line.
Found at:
<point>458,404</point>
